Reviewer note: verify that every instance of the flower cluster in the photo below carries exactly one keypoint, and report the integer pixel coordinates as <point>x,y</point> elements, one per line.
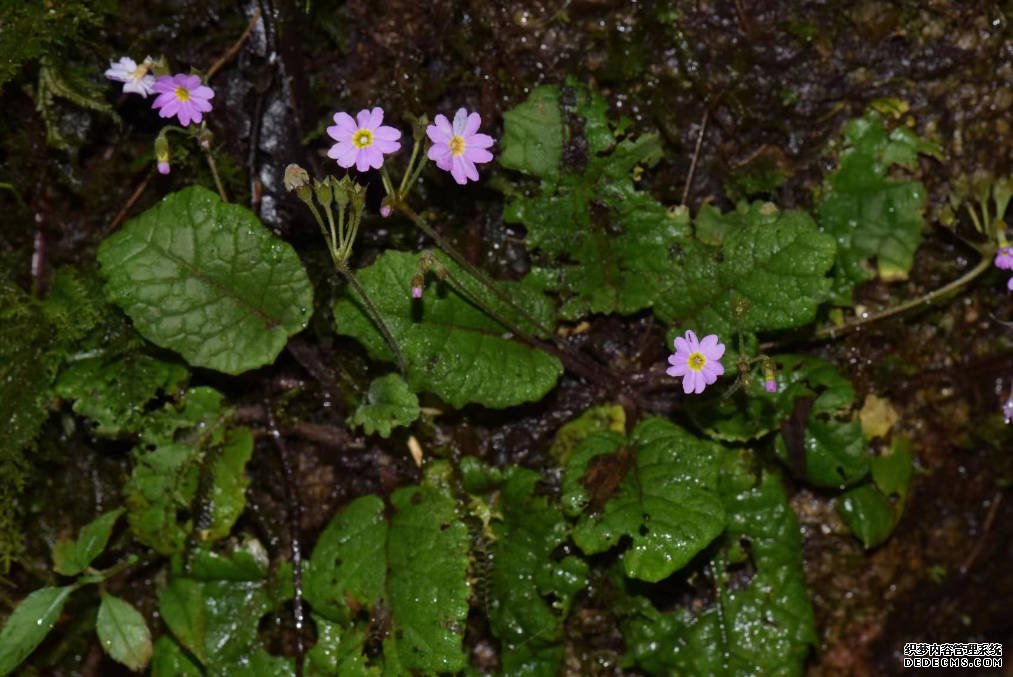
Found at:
<point>697,362</point>
<point>363,141</point>
<point>182,96</point>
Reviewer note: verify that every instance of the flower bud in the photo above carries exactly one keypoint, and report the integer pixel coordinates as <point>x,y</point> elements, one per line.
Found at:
<point>162,153</point>
<point>325,196</point>
<point>385,208</point>
<point>295,177</point>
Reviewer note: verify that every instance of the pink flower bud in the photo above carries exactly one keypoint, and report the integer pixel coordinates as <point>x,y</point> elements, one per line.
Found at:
<point>385,210</point>
<point>770,385</point>
<point>416,292</point>
<point>163,168</point>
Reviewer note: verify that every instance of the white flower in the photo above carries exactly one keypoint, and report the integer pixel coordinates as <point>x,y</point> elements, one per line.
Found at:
<point>135,78</point>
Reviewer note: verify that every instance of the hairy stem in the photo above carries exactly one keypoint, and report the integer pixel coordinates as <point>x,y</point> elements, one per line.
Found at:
<point>374,314</point>
<point>927,299</point>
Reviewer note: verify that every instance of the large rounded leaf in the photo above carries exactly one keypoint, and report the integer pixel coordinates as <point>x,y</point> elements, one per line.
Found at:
<point>452,348</point>
<point>208,280</point>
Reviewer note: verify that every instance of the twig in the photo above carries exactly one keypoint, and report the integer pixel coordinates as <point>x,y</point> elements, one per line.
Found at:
<point>234,49</point>
<point>927,299</point>
<point>985,528</point>
<point>121,216</point>
<point>294,510</point>
<point>696,156</point>
<point>214,172</point>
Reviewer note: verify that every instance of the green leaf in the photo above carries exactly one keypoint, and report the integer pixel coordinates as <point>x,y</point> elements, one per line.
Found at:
<point>208,280</point>
<point>245,561</point>
<point>834,449</point>
<point>666,501</point>
<point>390,403</point>
<point>533,134</point>
<point>337,652</point>
<point>227,498</point>
<point>763,624</point>
<point>218,621</point>
<point>188,457</point>
<point>113,393</point>
<point>29,624</point>
<point>868,513</point>
<point>71,557</point>
<point>525,576</point>
<point>427,588</point>
<point>607,244</point>
<point>123,632</point>
<point>892,471</point>
<point>769,273</point>
<point>451,347</point>
<point>869,214</point>
<point>412,563</point>
<point>344,574</point>
<point>170,660</point>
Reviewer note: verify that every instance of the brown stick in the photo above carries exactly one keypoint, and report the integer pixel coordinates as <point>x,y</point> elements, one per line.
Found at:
<point>124,212</point>
<point>696,156</point>
<point>294,509</point>
<point>986,527</point>
<point>234,49</point>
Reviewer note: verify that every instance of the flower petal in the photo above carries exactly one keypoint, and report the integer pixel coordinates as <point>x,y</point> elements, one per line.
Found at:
<point>443,124</point>
<point>678,370</point>
<point>458,171</point>
<point>170,108</point>
<point>437,134</point>
<point>441,156</point>
<point>682,347</point>
<point>340,134</point>
<point>344,122</point>
<point>386,133</point>
<point>362,119</point>
<point>184,114</point>
<point>479,155</point>
<point>689,382</point>
<point>201,105</point>
<point>202,92</point>
<point>344,153</point>
<point>375,117</point>
<point>387,147</point>
<point>460,120</point>
<point>472,124</point>
<point>691,340</point>
<point>479,141</point>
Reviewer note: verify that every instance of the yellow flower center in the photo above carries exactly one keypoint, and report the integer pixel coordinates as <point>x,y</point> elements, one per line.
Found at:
<point>456,144</point>
<point>696,361</point>
<point>362,138</point>
<point>138,73</point>
<point>182,93</point>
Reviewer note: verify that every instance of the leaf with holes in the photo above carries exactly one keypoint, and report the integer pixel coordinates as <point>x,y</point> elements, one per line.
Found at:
<point>208,280</point>
<point>659,489</point>
<point>452,348</point>
<point>603,243</point>
<point>405,568</point>
<point>529,590</point>
<point>113,392</point>
<point>761,625</point>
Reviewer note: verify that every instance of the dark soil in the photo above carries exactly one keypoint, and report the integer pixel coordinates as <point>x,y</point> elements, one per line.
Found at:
<point>775,81</point>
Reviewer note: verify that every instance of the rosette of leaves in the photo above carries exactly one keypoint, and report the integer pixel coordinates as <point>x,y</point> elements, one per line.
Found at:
<point>875,218</point>
<point>596,240</point>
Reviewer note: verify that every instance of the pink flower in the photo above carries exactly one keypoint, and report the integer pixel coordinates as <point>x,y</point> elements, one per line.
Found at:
<point>457,148</point>
<point>163,168</point>
<point>1009,284</point>
<point>770,385</point>
<point>416,292</point>
<point>697,362</point>
<point>363,141</point>
<point>136,79</point>
<point>1004,258</point>
<point>184,96</point>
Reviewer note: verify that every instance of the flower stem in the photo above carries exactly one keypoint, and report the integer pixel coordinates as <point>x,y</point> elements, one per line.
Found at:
<point>927,299</point>
<point>403,188</point>
<point>214,173</point>
<point>474,271</point>
<point>374,314</point>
